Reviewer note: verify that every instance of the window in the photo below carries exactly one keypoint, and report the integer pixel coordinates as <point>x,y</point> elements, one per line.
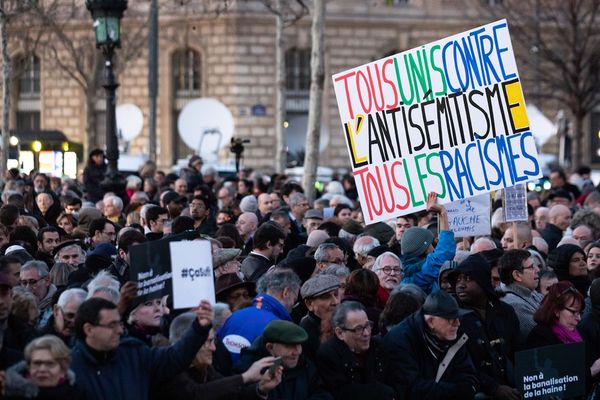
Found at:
<point>187,85</point>
<point>27,92</point>
<point>297,79</point>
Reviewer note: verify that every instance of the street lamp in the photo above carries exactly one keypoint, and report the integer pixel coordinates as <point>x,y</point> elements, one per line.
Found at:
<point>107,16</point>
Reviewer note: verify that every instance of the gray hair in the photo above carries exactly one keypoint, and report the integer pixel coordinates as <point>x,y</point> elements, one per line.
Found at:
<point>412,290</point>
<point>106,283</point>
<point>461,255</point>
<point>337,270</point>
<point>364,245</point>
<point>145,209</point>
<point>341,199</point>
<point>219,309</point>
<point>346,235</point>
<point>180,325</point>
<point>379,260</point>
<point>71,294</point>
<point>70,247</point>
<point>115,201</point>
<point>341,312</point>
<point>296,198</point>
<point>40,266</point>
<point>277,280</point>
<point>323,251</point>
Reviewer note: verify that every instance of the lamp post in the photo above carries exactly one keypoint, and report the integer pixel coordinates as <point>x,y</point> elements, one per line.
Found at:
<point>107,16</point>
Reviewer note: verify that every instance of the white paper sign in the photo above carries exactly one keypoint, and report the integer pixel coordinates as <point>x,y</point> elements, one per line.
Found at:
<point>515,203</point>
<point>192,268</point>
<point>470,217</point>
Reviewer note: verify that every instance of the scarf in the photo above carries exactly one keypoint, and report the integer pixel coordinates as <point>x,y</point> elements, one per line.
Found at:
<point>437,347</point>
<point>565,335</point>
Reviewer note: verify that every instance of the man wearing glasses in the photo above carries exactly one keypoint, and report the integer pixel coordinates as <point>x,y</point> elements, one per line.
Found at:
<point>427,358</point>
<point>110,368</point>
<point>199,211</point>
<point>62,322</point>
<point>389,271</point>
<point>353,363</point>
<point>35,277</point>
<point>102,231</point>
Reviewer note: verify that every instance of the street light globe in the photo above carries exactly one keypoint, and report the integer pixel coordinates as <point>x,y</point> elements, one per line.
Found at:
<point>14,141</point>
<point>36,146</point>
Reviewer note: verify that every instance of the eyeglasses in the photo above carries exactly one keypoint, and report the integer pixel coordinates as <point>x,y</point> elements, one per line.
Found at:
<point>111,325</point>
<point>67,316</point>
<point>360,329</point>
<point>574,312</point>
<point>29,282</point>
<point>388,270</point>
<point>41,363</point>
<point>197,205</point>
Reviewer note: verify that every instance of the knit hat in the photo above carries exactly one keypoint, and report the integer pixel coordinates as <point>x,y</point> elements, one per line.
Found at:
<point>286,332</point>
<point>559,259</point>
<point>380,231</point>
<point>416,241</point>
<point>477,268</point>
<point>353,227</point>
<point>249,204</point>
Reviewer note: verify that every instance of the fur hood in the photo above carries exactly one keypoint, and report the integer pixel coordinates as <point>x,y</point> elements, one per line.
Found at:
<point>17,385</point>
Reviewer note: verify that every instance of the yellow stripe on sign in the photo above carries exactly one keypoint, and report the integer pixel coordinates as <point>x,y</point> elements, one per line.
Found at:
<point>359,122</point>
<point>517,105</point>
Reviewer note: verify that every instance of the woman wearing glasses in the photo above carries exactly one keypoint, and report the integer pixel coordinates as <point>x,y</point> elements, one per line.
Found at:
<point>557,317</point>
<point>44,374</point>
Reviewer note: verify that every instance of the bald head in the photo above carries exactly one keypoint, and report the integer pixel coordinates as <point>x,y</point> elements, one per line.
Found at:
<point>583,233</point>
<point>246,225</point>
<point>265,203</point>
<point>560,216</point>
<point>524,237</point>
<point>541,217</point>
<point>482,244</point>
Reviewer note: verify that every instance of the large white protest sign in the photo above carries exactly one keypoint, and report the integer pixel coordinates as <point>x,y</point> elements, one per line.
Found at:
<point>470,217</point>
<point>447,117</point>
<point>192,273</point>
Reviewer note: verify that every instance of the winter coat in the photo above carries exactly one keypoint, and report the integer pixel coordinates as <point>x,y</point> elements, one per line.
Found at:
<point>492,344</point>
<point>191,385</point>
<point>245,325</point>
<point>19,387</point>
<point>525,302</point>
<point>254,266</point>
<point>589,328</point>
<point>412,367</point>
<point>424,272</point>
<point>128,371</point>
<point>552,235</point>
<point>541,336</point>
<point>93,174</point>
<point>299,383</point>
<point>347,378</point>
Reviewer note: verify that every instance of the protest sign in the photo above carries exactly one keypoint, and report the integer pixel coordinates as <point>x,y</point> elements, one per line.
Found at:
<point>180,269</point>
<point>191,264</point>
<point>515,203</point>
<point>151,269</point>
<point>551,371</point>
<point>447,117</point>
<point>470,217</point>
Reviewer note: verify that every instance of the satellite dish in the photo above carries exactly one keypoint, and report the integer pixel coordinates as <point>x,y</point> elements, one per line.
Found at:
<point>130,121</point>
<point>205,125</point>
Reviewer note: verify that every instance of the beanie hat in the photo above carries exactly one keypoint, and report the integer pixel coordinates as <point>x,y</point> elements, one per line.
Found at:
<point>416,241</point>
<point>249,204</point>
<point>559,259</point>
<point>380,231</point>
<point>477,268</point>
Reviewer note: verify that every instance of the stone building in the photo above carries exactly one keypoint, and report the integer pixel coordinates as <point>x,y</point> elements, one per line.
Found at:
<point>229,57</point>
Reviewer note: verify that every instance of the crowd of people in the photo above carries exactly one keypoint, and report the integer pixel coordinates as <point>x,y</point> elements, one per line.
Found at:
<point>311,303</point>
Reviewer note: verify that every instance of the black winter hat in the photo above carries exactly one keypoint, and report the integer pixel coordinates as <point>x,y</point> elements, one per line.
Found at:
<point>559,258</point>
<point>477,268</point>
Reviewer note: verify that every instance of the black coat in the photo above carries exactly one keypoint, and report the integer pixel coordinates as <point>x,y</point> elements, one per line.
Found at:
<point>541,336</point>
<point>492,344</point>
<point>589,328</point>
<point>412,367</point>
<point>93,174</point>
<point>312,325</point>
<point>347,378</point>
<point>552,235</point>
<point>255,266</point>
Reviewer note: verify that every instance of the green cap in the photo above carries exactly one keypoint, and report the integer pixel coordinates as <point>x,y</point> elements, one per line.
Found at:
<point>285,332</point>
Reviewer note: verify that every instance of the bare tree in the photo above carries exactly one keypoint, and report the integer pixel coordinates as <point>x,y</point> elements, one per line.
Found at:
<point>311,158</point>
<point>564,37</point>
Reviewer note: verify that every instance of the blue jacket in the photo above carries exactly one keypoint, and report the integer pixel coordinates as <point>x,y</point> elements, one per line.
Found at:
<point>128,372</point>
<point>245,325</point>
<point>424,272</point>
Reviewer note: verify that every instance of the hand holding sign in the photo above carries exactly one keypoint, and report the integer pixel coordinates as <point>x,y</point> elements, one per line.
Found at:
<point>204,313</point>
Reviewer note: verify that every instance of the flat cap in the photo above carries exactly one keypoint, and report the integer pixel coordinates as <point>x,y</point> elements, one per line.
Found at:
<point>319,285</point>
<point>221,256</point>
<point>353,227</point>
<point>313,214</point>
<point>285,332</point>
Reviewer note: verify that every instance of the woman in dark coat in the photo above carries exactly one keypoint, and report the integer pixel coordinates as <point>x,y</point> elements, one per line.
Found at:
<point>93,174</point>
<point>569,264</point>
<point>557,317</point>
<point>44,374</point>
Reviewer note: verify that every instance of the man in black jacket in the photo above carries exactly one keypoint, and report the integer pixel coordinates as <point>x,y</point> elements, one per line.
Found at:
<point>427,359</point>
<point>268,244</point>
<point>353,363</point>
<point>492,327</point>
